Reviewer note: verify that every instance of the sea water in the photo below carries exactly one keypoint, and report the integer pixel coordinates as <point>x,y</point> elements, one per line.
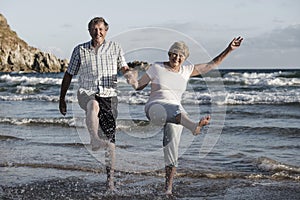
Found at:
<point>250,150</point>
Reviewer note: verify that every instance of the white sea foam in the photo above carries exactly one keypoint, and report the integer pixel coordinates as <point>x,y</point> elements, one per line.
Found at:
<point>29,80</point>
<point>261,79</point>
<point>242,97</point>
<point>40,97</point>
<point>267,164</point>
<point>235,88</point>
<point>39,121</point>
<point>25,90</point>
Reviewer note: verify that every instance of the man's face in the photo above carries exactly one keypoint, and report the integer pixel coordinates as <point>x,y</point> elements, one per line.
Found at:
<point>98,32</point>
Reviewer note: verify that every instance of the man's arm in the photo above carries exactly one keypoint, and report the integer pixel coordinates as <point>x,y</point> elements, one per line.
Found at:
<point>206,67</point>
<point>63,91</point>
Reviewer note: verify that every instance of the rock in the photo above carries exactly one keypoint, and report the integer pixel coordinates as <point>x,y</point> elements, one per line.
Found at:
<point>16,55</point>
<point>140,65</point>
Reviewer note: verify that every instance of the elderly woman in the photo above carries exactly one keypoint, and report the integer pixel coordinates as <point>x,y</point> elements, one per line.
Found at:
<point>168,82</point>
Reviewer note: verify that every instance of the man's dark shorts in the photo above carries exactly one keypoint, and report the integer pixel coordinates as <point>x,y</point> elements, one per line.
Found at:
<point>107,114</point>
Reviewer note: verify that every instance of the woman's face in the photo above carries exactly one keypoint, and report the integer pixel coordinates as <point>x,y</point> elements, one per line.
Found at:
<point>176,59</point>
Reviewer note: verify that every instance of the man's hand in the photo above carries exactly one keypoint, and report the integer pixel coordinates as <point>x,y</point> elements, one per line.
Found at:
<point>131,77</point>
<point>64,87</point>
<point>125,69</point>
<point>62,106</point>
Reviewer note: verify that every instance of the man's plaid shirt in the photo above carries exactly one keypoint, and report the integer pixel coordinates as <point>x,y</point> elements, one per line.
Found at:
<point>97,70</point>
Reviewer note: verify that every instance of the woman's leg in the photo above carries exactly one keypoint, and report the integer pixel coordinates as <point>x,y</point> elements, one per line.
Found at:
<point>162,113</point>
<point>171,139</point>
<point>170,172</point>
<point>195,128</point>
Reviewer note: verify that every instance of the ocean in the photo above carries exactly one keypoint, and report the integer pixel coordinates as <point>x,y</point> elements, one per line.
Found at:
<point>250,150</point>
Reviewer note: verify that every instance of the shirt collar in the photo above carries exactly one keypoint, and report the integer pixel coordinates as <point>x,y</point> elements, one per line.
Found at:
<point>91,46</point>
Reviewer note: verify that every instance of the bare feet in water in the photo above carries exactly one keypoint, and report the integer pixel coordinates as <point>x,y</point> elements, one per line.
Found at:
<point>203,122</point>
<point>110,185</point>
<point>168,192</point>
<point>98,143</point>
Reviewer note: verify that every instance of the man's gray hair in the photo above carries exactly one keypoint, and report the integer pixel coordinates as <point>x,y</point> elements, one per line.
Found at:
<point>97,20</point>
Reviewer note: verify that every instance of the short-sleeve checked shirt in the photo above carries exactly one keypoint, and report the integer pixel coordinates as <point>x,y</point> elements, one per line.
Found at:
<point>97,70</point>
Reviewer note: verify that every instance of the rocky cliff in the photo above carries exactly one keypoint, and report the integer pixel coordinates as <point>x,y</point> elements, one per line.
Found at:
<point>16,55</point>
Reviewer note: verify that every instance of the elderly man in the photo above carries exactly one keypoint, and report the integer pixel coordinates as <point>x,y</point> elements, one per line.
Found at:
<point>97,62</point>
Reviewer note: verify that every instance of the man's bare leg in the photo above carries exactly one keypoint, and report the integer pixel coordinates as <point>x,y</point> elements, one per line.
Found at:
<point>92,123</point>
<point>170,172</point>
<point>110,158</point>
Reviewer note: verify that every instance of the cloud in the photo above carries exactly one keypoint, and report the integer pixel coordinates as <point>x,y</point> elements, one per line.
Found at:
<point>279,48</point>
<point>278,39</point>
<point>272,49</point>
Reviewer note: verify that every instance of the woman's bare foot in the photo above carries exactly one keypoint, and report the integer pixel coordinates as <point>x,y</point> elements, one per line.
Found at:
<point>98,143</point>
<point>168,192</point>
<point>203,122</point>
<point>170,173</point>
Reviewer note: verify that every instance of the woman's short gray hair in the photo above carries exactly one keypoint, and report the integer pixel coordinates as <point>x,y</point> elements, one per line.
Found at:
<point>180,47</point>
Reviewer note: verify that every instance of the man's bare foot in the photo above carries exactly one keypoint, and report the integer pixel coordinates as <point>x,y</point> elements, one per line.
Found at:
<point>110,185</point>
<point>203,122</point>
<point>98,143</point>
<point>110,188</point>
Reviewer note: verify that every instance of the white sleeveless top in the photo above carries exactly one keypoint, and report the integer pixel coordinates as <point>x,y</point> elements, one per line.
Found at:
<point>168,86</point>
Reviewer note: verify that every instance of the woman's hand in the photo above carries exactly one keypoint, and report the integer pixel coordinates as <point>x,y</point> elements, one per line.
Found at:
<point>235,43</point>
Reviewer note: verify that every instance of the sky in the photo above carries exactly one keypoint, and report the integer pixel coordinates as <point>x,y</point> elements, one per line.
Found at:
<point>146,29</point>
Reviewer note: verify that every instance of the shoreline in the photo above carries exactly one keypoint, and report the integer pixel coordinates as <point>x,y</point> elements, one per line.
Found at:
<point>145,187</point>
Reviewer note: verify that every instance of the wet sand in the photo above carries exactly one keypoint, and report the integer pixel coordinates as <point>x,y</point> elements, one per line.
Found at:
<point>130,187</point>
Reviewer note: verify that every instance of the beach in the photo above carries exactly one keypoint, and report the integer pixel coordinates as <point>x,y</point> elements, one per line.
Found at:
<point>250,150</point>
